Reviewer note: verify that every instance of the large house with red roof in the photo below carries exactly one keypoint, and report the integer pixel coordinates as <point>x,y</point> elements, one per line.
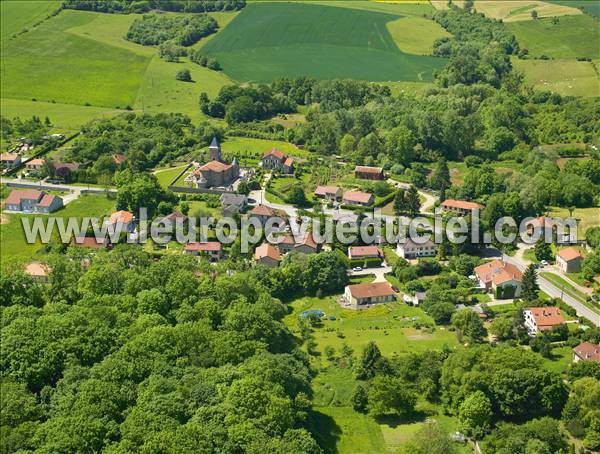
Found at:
<point>569,260</point>
<point>32,201</point>
<point>268,255</point>
<point>358,198</point>
<point>332,193</point>
<point>376,292</point>
<point>10,160</point>
<point>275,159</point>
<point>460,206</point>
<point>501,278</point>
<point>586,351</point>
<point>539,319</point>
<point>365,252</point>
<point>306,244</point>
<point>210,249</point>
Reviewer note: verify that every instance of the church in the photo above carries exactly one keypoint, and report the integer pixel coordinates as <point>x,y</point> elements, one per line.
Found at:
<point>215,173</point>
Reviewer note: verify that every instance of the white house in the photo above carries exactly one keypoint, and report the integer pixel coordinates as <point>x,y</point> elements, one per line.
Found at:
<point>411,250</point>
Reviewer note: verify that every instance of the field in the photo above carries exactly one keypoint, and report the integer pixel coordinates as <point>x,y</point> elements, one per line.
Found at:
<point>565,77</point>
<point>415,35</point>
<point>589,6</point>
<point>515,10</point>
<point>285,39</point>
<point>586,218</point>
<point>23,15</point>
<point>12,237</point>
<point>80,58</point>
<point>573,36</point>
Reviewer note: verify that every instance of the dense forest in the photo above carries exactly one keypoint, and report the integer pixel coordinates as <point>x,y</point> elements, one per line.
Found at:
<point>143,6</point>
<point>153,29</point>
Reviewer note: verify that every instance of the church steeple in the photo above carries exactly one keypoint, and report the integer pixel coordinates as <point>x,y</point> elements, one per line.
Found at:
<point>215,150</point>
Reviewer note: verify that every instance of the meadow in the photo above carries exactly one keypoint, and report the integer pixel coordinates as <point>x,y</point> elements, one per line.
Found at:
<point>571,37</point>
<point>286,39</point>
<point>515,10</point>
<point>589,6</point>
<point>565,77</point>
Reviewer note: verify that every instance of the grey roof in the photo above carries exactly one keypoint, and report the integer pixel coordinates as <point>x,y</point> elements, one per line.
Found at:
<point>215,142</point>
<point>233,199</point>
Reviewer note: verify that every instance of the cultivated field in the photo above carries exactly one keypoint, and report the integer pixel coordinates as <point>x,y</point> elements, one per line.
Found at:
<point>515,10</point>
<point>286,39</point>
<point>566,77</point>
<point>575,36</point>
<point>588,6</point>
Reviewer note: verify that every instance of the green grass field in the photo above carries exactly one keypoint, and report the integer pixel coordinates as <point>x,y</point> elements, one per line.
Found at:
<point>286,39</point>
<point>589,6</point>
<point>17,16</point>
<point>573,36</point>
<point>565,77</point>
<point>15,248</point>
<point>415,35</point>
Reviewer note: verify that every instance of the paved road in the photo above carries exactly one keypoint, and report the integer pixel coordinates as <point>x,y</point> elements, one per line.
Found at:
<point>555,292</point>
<point>18,182</point>
<point>430,199</point>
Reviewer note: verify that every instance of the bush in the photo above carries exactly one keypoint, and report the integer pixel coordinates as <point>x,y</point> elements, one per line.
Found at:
<point>184,75</point>
<point>153,29</point>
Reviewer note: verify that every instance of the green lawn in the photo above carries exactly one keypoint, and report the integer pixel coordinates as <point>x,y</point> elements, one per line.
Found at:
<point>565,77</point>
<point>586,218</point>
<point>12,237</point>
<point>166,176</point>
<point>573,36</point>
<point>415,35</point>
<point>560,360</point>
<point>389,325</point>
<point>17,16</point>
<point>49,63</point>
<point>252,150</point>
<point>270,40</point>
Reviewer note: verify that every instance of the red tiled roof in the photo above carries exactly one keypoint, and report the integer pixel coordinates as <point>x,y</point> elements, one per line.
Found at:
<point>35,162</point>
<point>569,254</point>
<point>373,290</point>
<point>498,272</point>
<point>17,195</point>
<point>124,216</point>
<point>9,156</point>
<point>367,169</point>
<point>214,166</point>
<point>546,317</point>
<point>262,210</point>
<point>461,204</point>
<point>46,200</point>
<point>326,190</point>
<point>37,269</point>
<point>308,240</point>
<point>357,196</point>
<point>89,241</point>
<point>542,221</point>
<point>267,250</point>
<point>275,152</point>
<point>588,351</point>
<point>174,216</point>
<point>288,162</point>
<point>365,251</point>
<point>206,247</point>
<point>118,158</point>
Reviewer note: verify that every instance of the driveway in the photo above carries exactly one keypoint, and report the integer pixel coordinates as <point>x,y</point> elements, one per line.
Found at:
<point>379,272</point>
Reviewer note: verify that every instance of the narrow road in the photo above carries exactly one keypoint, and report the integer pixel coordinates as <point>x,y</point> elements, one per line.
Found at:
<point>555,292</point>
<point>430,199</point>
<point>41,185</point>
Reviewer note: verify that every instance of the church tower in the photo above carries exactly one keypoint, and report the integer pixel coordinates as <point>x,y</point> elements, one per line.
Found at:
<point>215,150</point>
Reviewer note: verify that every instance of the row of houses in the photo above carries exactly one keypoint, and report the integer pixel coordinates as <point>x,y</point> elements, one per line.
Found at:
<point>32,201</point>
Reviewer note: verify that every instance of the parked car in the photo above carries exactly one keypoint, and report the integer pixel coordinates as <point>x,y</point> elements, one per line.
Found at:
<point>357,268</point>
<point>544,263</point>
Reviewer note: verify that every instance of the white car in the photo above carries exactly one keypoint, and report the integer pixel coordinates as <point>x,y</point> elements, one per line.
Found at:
<point>357,268</point>
<point>544,263</point>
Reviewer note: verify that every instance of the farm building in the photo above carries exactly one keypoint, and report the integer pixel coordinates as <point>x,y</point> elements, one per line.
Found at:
<point>377,292</point>
<point>275,159</point>
<point>538,319</point>
<point>569,260</point>
<point>369,173</point>
<point>32,201</point>
<point>410,249</point>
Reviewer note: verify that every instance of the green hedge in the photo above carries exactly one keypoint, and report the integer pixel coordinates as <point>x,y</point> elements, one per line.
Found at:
<point>366,263</point>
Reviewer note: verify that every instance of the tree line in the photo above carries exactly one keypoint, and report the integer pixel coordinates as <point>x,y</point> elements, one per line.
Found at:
<point>144,6</point>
